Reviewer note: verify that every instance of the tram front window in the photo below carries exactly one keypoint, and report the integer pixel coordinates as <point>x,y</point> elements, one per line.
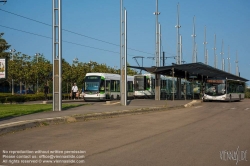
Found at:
<point>140,83</point>
<point>92,83</point>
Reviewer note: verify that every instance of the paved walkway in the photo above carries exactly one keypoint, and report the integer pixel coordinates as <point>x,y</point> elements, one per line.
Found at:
<point>93,108</point>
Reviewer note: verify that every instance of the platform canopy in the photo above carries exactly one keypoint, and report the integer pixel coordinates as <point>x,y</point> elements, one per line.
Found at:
<point>195,71</point>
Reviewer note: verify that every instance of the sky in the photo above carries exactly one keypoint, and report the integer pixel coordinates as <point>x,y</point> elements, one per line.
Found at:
<point>91,30</point>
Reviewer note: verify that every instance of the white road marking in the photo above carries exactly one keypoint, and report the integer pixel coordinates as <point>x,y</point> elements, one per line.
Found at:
<point>197,106</point>
<point>247,108</point>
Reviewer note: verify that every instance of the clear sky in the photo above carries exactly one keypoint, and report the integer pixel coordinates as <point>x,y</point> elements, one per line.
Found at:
<point>96,27</point>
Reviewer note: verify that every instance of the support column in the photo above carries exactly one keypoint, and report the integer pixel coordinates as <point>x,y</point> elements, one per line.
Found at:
<point>57,55</point>
<point>157,87</point>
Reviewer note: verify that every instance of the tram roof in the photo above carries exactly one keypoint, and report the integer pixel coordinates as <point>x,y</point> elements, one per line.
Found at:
<point>193,70</point>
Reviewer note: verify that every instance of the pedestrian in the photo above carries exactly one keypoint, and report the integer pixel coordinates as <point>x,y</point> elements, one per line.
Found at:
<point>46,91</point>
<point>74,91</point>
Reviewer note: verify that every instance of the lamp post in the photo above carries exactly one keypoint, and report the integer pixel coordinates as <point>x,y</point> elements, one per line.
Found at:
<point>12,81</point>
<point>37,55</point>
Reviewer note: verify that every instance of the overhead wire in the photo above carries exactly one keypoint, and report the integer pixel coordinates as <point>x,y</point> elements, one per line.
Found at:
<point>73,32</point>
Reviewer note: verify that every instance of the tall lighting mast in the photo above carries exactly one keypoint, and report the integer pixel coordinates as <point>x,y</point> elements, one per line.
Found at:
<point>237,66</point>
<point>178,37</point>
<point>215,56</point>
<point>222,58</point>
<point>156,13</point>
<point>194,58</point>
<point>205,50</point>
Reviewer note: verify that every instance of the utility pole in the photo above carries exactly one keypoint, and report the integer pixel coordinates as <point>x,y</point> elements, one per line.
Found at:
<point>205,50</point>
<point>12,81</point>
<point>178,37</point>
<point>194,58</point>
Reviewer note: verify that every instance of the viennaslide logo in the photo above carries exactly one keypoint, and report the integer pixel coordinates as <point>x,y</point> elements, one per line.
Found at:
<point>234,155</point>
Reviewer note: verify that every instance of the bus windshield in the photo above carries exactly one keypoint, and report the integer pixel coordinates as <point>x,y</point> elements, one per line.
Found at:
<point>92,83</point>
<point>215,89</point>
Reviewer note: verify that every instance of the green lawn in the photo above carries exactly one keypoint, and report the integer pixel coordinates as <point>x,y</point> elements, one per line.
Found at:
<point>13,110</point>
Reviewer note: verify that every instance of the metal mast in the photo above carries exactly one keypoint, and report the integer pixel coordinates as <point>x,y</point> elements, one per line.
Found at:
<point>222,59</point>
<point>159,45</point>
<point>237,66</point>
<point>194,58</point>
<point>205,53</point>
<point>180,49</point>
<point>156,36</point>
<point>215,56</point>
<point>178,36</point>
<point>229,65</point>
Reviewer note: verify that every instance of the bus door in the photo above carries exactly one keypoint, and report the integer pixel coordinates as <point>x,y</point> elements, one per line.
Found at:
<point>107,89</point>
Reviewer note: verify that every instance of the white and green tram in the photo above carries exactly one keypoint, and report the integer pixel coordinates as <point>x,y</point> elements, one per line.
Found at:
<point>105,86</point>
<point>144,86</point>
<point>224,90</point>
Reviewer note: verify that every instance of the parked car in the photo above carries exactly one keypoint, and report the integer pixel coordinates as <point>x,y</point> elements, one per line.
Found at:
<point>23,92</point>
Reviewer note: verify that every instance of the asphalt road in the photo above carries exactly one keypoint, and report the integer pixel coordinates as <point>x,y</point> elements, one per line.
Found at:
<point>214,133</point>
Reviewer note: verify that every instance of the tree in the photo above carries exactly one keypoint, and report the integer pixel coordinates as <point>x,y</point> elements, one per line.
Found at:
<point>3,47</point>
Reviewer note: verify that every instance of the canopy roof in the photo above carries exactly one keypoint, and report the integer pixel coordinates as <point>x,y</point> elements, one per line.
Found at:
<point>191,70</point>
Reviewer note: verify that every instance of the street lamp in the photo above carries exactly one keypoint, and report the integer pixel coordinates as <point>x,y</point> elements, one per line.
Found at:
<point>12,81</point>
<point>37,55</point>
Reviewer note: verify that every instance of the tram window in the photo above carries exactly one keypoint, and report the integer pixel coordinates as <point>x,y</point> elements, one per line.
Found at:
<point>102,85</point>
<point>153,83</point>
<point>112,87</point>
<point>130,86</point>
<point>147,83</point>
<point>117,86</point>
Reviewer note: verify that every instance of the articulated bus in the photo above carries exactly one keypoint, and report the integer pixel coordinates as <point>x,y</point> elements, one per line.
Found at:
<point>224,90</point>
<point>105,86</point>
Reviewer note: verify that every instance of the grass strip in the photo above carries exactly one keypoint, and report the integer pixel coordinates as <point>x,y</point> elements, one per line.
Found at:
<point>14,110</point>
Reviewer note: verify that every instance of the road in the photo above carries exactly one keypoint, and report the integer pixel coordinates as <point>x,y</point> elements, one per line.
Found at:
<point>203,135</point>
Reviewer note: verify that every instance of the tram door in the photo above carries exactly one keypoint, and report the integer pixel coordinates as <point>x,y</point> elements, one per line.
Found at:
<point>107,89</point>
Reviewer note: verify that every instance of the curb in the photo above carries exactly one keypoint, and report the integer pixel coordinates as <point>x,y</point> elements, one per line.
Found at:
<point>28,124</point>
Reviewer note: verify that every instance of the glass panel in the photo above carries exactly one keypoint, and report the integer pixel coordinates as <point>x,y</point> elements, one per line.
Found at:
<point>214,89</point>
<point>92,83</point>
<point>139,83</point>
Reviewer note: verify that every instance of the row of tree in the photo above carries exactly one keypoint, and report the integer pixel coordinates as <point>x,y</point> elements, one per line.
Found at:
<point>28,70</point>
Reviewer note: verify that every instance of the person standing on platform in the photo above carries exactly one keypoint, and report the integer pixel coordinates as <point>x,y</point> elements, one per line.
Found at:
<point>74,91</point>
<point>46,91</point>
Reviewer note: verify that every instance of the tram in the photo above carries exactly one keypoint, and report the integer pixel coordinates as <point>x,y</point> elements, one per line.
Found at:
<point>105,86</point>
<point>144,86</point>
